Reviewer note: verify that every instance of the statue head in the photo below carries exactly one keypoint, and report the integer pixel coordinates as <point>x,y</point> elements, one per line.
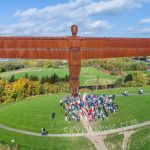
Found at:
<point>74,30</point>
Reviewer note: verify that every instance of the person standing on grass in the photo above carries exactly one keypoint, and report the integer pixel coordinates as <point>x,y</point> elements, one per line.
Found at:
<point>53,116</point>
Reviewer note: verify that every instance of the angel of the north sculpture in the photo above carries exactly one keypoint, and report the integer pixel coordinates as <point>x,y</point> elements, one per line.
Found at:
<point>72,48</point>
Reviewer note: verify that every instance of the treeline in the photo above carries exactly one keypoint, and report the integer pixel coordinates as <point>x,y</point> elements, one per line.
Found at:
<point>24,87</point>
<point>54,78</point>
<point>10,66</point>
<point>116,65</point>
<point>122,65</point>
<point>135,79</point>
<point>19,64</point>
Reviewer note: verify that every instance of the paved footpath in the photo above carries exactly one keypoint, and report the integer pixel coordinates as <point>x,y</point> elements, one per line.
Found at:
<point>123,128</point>
<point>37,134</point>
<point>100,133</point>
<point>98,141</point>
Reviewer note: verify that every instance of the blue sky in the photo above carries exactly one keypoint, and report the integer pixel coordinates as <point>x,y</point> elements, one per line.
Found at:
<point>105,18</point>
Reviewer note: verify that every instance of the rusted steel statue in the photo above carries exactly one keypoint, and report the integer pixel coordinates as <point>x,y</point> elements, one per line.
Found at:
<point>72,48</point>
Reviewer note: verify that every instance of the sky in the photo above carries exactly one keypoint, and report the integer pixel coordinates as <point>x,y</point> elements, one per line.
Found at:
<point>102,18</point>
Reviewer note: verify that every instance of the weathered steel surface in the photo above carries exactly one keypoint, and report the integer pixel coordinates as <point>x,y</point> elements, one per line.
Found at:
<point>72,48</point>
<point>34,48</point>
<point>114,47</point>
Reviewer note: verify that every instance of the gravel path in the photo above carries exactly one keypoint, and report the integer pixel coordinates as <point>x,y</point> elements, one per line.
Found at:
<point>112,131</point>
<point>37,134</point>
<point>98,141</point>
<point>125,142</point>
<point>100,133</point>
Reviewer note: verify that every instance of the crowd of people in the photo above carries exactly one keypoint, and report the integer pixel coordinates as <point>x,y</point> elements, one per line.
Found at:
<point>90,105</point>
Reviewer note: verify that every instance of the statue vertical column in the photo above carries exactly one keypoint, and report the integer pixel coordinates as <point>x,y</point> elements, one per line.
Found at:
<point>74,61</point>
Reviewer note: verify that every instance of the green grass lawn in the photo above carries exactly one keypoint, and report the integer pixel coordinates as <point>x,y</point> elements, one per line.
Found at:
<point>26,142</point>
<point>140,140</point>
<point>114,141</point>
<point>88,75</point>
<point>34,113</point>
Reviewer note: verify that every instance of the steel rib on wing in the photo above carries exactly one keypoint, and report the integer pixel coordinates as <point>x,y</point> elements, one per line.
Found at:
<point>34,48</point>
<point>114,47</point>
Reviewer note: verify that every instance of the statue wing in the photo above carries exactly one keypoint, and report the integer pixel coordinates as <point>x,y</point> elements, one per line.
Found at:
<point>93,48</point>
<point>34,47</point>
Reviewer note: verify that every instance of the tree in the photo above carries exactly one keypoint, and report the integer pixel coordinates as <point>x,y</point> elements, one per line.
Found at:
<point>11,79</point>
<point>9,66</point>
<point>9,93</point>
<point>19,88</point>
<point>47,64</point>
<point>140,79</point>
<point>34,78</point>
<point>43,80</point>
<point>119,82</point>
<point>148,77</point>
<point>129,77</point>
<point>26,76</point>
<point>33,88</point>
<point>32,63</point>
<point>138,66</point>
<point>2,91</point>
<point>136,79</point>
<point>66,79</point>
<point>1,68</point>
<point>54,78</point>
<point>55,64</point>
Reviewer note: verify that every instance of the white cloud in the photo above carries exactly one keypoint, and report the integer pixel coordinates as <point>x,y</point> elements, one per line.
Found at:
<point>144,21</point>
<point>112,6</point>
<point>99,24</point>
<point>130,29</point>
<point>144,31</point>
<point>57,19</point>
<point>140,31</point>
